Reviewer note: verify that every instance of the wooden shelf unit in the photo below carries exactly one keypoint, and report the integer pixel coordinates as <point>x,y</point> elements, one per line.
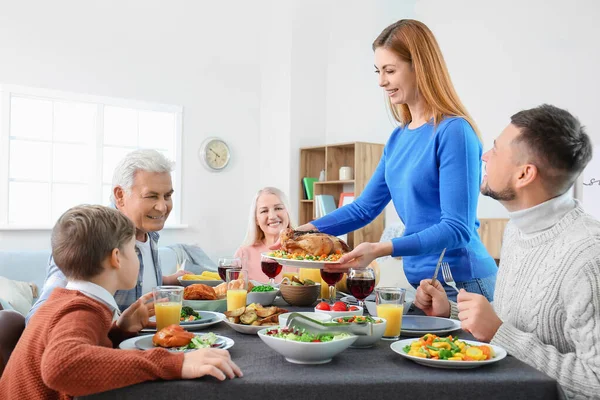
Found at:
<point>363,158</point>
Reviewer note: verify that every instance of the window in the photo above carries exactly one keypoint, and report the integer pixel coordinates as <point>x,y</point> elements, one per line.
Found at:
<point>60,149</point>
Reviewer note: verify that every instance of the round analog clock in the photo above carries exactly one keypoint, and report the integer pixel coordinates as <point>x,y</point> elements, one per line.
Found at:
<point>214,154</point>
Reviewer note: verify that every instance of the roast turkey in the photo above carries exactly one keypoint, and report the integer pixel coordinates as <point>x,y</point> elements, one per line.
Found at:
<point>311,242</point>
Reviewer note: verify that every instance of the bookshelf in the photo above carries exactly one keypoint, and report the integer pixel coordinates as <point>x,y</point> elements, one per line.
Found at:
<point>362,158</point>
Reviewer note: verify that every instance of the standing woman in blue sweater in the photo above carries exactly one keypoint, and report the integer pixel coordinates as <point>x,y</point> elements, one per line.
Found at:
<point>430,169</point>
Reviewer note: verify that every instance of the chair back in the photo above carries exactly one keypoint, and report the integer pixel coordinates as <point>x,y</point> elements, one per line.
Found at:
<point>12,325</point>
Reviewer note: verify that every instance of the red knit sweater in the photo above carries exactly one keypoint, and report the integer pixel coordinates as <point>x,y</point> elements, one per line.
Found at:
<point>67,350</point>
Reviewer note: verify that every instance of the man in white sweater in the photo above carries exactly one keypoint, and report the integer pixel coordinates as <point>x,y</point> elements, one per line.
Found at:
<point>546,309</point>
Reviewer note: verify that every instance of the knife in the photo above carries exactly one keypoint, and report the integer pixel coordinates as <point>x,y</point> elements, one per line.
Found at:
<point>437,267</point>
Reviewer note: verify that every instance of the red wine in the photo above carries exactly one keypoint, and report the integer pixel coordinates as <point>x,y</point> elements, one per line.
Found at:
<point>331,277</point>
<point>360,287</point>
<point>222,270</point>
<point>271,268</point>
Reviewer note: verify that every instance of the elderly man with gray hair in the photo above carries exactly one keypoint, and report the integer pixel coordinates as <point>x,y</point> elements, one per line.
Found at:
<point>142,190</point>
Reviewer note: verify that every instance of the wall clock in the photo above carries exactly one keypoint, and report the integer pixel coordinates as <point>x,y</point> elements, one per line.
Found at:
<point>214,154</point>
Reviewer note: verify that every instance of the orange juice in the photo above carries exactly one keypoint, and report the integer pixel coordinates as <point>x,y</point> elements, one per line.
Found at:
<point>236,298</point>
<point>325,290</point>
<point>167,313</point>
<point>310,273</point>
<point>392,313</point>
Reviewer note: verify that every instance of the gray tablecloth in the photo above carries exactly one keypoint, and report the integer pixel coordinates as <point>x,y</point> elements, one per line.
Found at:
<point>375,373</point>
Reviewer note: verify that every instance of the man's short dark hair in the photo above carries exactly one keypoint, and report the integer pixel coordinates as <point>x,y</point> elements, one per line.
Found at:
<point>85,235</point>
<point>557,145</point>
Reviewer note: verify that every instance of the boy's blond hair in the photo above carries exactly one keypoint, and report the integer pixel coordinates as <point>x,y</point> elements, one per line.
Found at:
<point>85,235</point>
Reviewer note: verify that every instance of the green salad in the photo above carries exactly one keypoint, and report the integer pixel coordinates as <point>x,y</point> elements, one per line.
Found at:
<point>303,336</point>
<point>201,342</point>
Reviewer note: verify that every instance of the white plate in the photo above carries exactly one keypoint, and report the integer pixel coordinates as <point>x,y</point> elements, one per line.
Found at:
<point>196,325</point>
<point>300,263</point>
<point>211,283</point>
<point>246,329</point>
<point>439,332</point>
<point>141,342</point>
<point>449,364</point>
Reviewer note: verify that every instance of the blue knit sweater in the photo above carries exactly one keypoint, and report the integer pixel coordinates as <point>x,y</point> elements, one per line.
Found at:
<point>432,174</point>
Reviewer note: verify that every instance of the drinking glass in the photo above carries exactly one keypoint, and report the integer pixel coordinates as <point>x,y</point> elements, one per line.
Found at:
<point>237,288</point>
<point>331,277</point>
<point>167,305</point>
<point>290,272</point>
<point>270,268</point>
<point>226,263</point>
<point>360,283</point>
<point>390,306</point>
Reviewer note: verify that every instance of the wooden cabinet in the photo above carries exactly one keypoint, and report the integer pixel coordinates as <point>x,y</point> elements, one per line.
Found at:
<point>363,158</point>
<point>491,232</point>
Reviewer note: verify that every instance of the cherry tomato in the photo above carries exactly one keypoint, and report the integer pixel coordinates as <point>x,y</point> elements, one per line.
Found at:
<point>339,306</point>
<point>323,306</point>
<point>352,308</point>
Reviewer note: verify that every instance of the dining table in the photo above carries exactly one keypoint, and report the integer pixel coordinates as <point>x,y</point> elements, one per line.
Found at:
<point>366,373</point>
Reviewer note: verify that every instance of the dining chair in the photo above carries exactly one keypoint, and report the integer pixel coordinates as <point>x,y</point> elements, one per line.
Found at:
<point>12,324</point>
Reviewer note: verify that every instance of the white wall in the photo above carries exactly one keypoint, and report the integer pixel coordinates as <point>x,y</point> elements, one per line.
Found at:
<point>508,55</point>
<point>198,54</point>
<point>270,76</point>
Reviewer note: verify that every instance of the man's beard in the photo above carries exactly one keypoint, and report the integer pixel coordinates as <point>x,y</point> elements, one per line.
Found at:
<point>506,194</point>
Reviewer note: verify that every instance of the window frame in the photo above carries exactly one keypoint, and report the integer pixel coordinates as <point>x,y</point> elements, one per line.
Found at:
<point>7,91</point>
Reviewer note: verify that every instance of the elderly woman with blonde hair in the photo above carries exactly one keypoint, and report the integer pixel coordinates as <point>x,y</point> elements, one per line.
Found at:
<point>269,215</point>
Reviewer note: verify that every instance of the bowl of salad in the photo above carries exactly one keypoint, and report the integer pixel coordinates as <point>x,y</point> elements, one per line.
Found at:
<point>262,294</point>
<point>302,347</point>
<point>365,341</point>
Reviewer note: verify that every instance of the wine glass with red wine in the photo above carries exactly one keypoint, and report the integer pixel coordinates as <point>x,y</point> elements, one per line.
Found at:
<point>228,262</point>
<point>360,283</point>
<point>331,277</point>
<point>270,268</point>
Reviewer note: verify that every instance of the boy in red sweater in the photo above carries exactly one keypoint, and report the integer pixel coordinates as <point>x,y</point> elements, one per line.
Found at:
<point>67,349</point>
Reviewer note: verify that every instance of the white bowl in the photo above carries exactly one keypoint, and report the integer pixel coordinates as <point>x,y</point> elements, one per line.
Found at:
<point>365,341</point>
<point>305,352</point>
<point>318,316</point>
<point>219,305</point>
<point>211,283</point>
<point>263,298</point>
<point>337,314</point>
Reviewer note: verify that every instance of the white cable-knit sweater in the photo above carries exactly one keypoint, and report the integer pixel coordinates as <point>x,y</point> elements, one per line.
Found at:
<point>548,297</point>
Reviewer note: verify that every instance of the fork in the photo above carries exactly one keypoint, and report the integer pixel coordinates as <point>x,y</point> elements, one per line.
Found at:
<point>448,276</point>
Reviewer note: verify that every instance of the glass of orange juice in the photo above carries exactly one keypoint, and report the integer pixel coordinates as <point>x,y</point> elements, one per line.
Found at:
<point>237,288</point>
<point>290,272</point>
<point>390,306</point>
<point>167,305</point>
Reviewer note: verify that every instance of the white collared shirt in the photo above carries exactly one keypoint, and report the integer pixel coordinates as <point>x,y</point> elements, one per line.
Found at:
<point>96,292</point>
<point>149,278</point>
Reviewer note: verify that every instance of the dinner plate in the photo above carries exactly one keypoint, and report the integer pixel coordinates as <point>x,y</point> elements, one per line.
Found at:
<point>449,325</point>
<point>145,343</point>
<point>215,318</point>
<point>211,282</point>
<point>425,324</point>
<point>246,329</point>
<point>300,263</point>
<point>205,317</point>
<point>449,364</point>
